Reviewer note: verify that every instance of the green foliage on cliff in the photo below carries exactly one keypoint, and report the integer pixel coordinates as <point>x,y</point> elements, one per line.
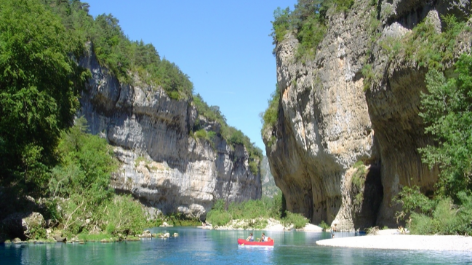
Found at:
<point>115,51</point>
<point>39,85</point>
<point>358,182</point>
<point>423,46</point>
<point>270,116</point>
<point>281,24</point>
<point>447,111</point>
<point>307,21</point>
<point>232,135</point>
<point>429,48</point>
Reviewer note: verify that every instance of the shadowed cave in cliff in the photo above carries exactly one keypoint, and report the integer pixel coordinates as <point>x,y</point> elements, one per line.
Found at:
<point>366,215</point>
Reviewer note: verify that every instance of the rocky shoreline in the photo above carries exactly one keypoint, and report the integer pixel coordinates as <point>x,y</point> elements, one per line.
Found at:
<point>104,238</point>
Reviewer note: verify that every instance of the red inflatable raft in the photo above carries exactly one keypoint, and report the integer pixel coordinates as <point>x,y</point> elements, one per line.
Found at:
<point>243,242</point>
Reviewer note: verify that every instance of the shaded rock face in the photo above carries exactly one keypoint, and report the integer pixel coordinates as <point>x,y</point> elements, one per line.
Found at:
<point>23,224</point>
<point>161,164</point>
<point>327,121</point>
<point>269,188</point>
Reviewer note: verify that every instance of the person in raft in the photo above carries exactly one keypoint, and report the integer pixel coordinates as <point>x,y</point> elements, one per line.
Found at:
<point>250,237</point>
<point>263,237</point>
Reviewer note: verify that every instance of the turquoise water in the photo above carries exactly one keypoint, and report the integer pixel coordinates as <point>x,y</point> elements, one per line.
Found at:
<point>197,246</point>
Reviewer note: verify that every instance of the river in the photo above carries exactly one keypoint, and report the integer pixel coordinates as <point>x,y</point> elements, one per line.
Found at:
<point>197,246</point>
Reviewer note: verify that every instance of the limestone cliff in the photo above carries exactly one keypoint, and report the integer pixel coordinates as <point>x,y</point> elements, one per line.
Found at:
<point>269,188</point>
<point>161,163</point>
<point>342,151</point>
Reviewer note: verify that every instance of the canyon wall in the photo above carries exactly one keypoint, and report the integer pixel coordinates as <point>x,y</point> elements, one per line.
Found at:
<point>344,147</point>
<point>161,162</point>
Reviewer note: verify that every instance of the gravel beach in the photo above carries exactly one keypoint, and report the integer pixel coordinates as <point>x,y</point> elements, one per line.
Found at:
<point>409,242</point>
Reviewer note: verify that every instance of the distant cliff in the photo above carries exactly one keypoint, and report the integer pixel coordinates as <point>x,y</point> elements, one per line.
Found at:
<point>269,188</point>
<point>161,162</point>
<point>347,134</point>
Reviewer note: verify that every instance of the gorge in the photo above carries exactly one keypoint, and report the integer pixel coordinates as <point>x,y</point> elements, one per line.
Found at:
<point>342,143</point>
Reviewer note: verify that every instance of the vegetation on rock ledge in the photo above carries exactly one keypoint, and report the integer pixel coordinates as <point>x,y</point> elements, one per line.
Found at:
<point>270,116</point>
<point>232,135</point>
<point>307,21</point>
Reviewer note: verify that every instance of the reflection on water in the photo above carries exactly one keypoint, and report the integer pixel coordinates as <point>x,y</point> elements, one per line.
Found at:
<point>196,246</point>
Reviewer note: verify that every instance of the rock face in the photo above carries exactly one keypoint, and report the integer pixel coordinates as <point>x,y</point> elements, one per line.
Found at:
<point>269,188</point>
<point>23,224</point>
<point>161,163</point>
<point>342,152</point>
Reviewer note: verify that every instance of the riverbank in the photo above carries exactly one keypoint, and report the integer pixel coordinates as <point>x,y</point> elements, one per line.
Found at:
<point>272,225</point>
<point>402,242</point>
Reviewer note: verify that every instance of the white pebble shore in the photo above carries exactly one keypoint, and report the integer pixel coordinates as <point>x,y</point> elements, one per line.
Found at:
<point>408,242</point>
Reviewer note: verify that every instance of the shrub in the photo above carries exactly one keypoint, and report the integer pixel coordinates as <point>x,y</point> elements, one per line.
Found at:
<point>122,215</point>
<point>298,220</point>
<point>201,134</point>
<point>412,200</point>
<point>219,218</point>
<point>358,181</point>
<point>442,217</point>
<point>252,210</point>
<point>422,224</point>
<point>258,224</point>
<point>324,225</point>
<point>219,205</point>
<point>253,167</point>
<point>270,116</point>
<point>372,230</point>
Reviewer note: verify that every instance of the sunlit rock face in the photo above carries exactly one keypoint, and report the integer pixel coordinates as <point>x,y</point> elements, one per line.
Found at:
<point>331,128</point>
<point>160,162</point>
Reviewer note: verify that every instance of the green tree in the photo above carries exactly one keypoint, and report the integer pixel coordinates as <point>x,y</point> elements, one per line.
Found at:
<point>307,22</point>
<point>447,109</point>
<point>39,84</point>
<point>86,163</point>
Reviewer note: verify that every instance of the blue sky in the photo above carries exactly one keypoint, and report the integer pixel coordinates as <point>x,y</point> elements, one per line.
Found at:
<point>223,46</point>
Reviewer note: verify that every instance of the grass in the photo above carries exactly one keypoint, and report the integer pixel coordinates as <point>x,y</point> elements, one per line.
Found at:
<point>253,213</point>
<point>96,237</point>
